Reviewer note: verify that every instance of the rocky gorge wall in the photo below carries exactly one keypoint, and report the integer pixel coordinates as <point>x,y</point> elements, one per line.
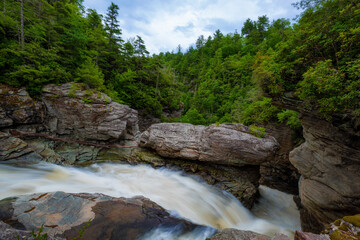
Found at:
<point>329,163</point>
<point>75,125</point>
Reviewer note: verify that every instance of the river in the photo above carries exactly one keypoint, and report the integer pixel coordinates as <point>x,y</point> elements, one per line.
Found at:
<point>184,196</point>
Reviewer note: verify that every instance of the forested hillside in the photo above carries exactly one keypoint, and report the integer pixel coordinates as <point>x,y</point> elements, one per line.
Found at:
<point>222,78</point>
<point>58,41</point>
<point>316,60</point>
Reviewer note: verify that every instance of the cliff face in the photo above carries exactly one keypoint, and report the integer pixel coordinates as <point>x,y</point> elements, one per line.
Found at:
<point>329,162</point>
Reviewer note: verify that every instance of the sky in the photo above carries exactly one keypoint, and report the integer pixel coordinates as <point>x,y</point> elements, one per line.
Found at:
<point>164,24</point>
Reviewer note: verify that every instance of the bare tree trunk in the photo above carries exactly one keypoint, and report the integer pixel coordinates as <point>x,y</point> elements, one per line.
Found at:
<point>21,25</point>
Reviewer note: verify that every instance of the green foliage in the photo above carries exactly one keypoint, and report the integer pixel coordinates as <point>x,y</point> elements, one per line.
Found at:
<point>260,111</point>
<point>39,235</point>
<point>193,116</point>
<point>90,74</point>
<point>318,59</point>
<point>257,131</point>
<point>291,118</point>
<point>86,100</point>
<point>65,44</point>
<point>82,230</point>
<point>323,84</point>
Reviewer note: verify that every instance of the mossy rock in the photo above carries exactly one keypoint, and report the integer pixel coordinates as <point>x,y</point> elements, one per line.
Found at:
<point>342,235</point>
<point>354,220</point>
<point>150,158</point>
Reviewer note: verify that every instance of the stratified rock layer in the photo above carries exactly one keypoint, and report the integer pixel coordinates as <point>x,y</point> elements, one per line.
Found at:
<point>97,215</point>
<point>86,115</point>
<point>226,144</point>
<point>329,162</point>
<point>15,148</point>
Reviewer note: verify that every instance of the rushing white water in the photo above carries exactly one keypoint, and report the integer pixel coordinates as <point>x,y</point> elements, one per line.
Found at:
<point>183,196</point>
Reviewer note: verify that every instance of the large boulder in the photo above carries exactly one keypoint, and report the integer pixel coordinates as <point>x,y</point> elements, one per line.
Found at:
<point>236,234</point>
<point>228,144</point>
<point>97,216</point>
<point>17,107</point>
<point>84,114</point>
<point>329,162</point>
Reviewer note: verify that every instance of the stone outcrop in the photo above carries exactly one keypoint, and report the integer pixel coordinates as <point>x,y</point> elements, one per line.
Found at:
<point>227,144</point>
<point>279,173</point>
<point>310,236</point>
<point>235,234</point>
<point>242,182</point>
<point>75,125</point>
<point>15,148</point>
<point>96,215</point>
<point>329,162</point>
<point>17,107</point>
<point>87,115</point>
<point>346,228</point>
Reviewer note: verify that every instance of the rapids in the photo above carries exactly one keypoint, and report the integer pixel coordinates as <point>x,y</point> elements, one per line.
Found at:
<point>184,196</point>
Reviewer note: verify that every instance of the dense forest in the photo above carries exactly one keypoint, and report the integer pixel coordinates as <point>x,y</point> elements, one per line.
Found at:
<point>221,78</point>
<point>233,77</point>
<point>58,41</point>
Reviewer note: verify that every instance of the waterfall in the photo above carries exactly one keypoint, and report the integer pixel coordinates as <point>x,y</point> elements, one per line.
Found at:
<point>182,195</point>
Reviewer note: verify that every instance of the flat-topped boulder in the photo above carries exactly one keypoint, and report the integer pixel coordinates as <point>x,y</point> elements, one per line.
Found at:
<point>85,114</point>
<point>229,144</point>
<point>98,216</point>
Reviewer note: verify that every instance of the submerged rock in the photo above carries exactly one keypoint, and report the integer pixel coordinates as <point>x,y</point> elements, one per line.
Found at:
<point>225,144</point>
<point>97,216</point>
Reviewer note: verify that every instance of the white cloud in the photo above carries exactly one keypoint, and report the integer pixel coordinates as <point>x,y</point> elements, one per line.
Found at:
<point>164,24</point>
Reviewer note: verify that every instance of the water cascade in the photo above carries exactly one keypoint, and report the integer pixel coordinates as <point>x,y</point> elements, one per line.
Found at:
<point>184,196</point>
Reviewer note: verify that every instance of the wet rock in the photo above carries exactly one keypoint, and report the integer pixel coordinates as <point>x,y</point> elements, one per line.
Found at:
<point>242,182</point>
<point>45,149</point>
<point>17,107</point>
<point>9,233</point>
<point>12,148</point>
<point>235,234</point>
<point>96,215</point>
<point>309,236</point>
<point>224,144</point>
<point>87,115</point>
<point>329,162</point>
<point>346,228</point>
<point>279,173</point>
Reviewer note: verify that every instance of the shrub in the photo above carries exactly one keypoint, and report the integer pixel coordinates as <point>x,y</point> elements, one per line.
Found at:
<point>257,131</point>
<point>291,118</point>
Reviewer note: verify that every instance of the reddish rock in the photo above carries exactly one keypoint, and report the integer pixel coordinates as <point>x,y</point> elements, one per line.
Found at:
<point>96,215</point>
<point>309,236</point>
